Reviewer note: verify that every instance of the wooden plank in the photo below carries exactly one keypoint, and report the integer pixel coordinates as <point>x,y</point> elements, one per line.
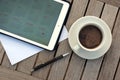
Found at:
<point>77,11</point>
<point>112,57</point>
<point>6,74</point>
<point>1,55</point>
<point>112,2</point>
<point>26,65</point>
<point>92,66</point>
<point>43,57</point>
<point>95,8</point>
<point>1,46</point>
<point>58,69</point>
<point>1,52</point>
<point>6,63</point>
<point>109,15</point>
<point>75,68</point>
<point>117,76</point>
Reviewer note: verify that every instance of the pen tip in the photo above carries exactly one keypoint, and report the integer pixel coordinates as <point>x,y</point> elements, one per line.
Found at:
<point>66,54</point>
<point>32,70</point>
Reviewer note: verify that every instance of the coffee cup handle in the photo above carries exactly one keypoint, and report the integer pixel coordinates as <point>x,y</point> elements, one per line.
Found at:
<point>76,47</point>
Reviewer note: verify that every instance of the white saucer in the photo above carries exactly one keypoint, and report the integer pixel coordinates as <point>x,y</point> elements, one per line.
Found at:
<point>92,54</point>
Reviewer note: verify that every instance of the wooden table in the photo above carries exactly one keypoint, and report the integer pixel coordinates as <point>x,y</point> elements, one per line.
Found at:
<point>72,67</point>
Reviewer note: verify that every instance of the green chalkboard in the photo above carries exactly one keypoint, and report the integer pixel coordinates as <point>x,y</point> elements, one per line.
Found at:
<point>31,19</point>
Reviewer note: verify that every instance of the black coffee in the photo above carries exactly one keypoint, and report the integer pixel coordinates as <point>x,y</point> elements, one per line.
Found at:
<point>90,36</point>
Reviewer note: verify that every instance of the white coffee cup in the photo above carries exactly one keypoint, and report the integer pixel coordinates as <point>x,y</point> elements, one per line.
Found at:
<point>82,51</point>
<point>79,46</point>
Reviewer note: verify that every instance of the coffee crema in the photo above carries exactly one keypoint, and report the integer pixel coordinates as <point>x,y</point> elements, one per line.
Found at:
<point>90,36</point>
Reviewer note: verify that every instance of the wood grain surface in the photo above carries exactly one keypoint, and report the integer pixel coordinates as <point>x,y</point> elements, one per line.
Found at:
<point>1,52</point>
<point>112,2</point>
<point>6,74</point>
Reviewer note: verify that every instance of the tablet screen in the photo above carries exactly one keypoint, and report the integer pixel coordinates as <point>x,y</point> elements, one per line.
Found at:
<point>31,19</point>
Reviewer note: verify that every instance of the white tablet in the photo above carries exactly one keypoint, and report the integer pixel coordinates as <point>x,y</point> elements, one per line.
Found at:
<point>38,22</point>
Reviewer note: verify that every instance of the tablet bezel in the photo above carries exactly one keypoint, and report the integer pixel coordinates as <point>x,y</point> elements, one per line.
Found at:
<point>55,33</point>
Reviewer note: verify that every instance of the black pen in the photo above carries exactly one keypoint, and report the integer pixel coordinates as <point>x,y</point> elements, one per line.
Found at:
<point>49,62</point>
